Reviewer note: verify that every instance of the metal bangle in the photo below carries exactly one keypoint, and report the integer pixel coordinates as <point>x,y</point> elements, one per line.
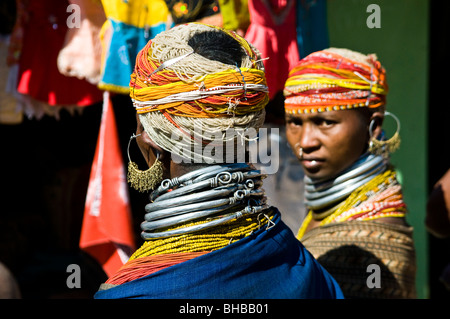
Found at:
<point>195,228</point>
<point>191,198</point>
<point>356,169</point>
<point>323,202</point>
<point>215,181</point>
<point>174,220</point>
<point>164,213</point>
<point>349,183</point>
<point>188,178</point>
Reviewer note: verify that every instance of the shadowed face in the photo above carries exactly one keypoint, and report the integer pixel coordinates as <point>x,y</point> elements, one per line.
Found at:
<point>145,143</point>
<point>330,141</point>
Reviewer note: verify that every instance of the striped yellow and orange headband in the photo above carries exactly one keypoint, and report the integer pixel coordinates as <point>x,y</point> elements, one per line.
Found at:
<point>335,79</point>
<point>157,85</point>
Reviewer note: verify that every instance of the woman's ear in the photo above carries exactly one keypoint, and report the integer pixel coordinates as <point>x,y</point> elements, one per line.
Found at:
<point>148,148</point>
<point>376,123</point>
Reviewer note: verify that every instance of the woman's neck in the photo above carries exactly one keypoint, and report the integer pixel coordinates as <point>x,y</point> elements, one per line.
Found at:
<point>324,193</point>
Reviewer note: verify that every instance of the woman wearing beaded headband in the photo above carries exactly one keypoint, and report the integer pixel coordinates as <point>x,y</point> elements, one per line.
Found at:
<point>335,107</point>
<point>210,222</point>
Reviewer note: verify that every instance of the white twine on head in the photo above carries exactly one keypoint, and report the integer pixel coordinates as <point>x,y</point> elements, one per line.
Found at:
<point>199,94</point>
<point>231,110</point>
<point>172,46</point>
<point>169,63</point>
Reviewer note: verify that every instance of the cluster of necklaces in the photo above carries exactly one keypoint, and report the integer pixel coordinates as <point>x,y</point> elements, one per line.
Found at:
<point>367,190</point>
<point>320,193</point>
<point>205,209</point>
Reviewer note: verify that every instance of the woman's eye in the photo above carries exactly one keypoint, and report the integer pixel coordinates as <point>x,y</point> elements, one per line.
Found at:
<point>294,122</point>
<point>325,122</point>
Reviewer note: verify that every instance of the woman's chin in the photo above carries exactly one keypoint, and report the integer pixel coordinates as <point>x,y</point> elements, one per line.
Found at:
<point>313,169</point>
<point>317,172</point>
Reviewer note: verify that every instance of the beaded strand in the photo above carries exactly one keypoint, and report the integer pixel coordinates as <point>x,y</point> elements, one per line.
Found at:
<point>381,197</point>
<point>209,240</point>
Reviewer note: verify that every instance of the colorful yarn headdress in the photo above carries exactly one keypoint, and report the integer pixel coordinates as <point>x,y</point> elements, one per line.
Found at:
<point>335,79</point>
<point>176,90</point>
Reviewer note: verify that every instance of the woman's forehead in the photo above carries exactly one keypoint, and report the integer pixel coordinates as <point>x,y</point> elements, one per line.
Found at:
<point>326,114</point>
<point>351,114</point>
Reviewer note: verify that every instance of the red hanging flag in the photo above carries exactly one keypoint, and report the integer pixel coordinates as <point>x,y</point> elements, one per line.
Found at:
<point>107,232</point>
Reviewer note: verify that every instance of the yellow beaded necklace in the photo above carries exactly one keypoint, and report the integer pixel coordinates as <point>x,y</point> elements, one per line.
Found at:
<point>207,240</point>
<point>377,185</point>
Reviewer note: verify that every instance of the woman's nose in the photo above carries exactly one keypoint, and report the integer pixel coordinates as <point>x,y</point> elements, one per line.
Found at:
<point>308,140</point>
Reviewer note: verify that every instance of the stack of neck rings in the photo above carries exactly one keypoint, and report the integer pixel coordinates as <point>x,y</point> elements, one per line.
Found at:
<point>176,90</point>
<point>367,190</point>
<point>328,81</point>
<point>201,211</point>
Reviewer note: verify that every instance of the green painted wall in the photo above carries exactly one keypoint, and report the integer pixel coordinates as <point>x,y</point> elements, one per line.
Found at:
<point>401,44</point>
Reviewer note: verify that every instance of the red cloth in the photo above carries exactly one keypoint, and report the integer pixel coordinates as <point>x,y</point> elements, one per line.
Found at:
<point>107,232</point>
<point>44,30</point>
<point>278,42</point>
<point>145,266</point>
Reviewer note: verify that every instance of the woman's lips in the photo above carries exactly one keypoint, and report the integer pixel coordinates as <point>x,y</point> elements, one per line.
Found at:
<point>311,163</point>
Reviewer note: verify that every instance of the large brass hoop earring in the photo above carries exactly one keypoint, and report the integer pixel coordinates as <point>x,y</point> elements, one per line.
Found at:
<point>143,181</point>
<point>382,146</point>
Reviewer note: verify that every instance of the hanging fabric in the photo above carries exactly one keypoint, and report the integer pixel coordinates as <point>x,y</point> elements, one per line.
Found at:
<point>106,232</point>
<point>81,53</point>
<point>44,89</point>
<point>272,31</point>
<point>129,26</point>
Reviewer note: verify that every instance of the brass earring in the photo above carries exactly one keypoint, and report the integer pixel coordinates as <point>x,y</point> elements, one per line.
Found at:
<point>143,181</point>
<point>382,146</point>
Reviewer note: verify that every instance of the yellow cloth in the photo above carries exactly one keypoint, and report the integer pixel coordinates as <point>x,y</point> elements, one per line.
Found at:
<point>139,13</point>
<point>235,14</point>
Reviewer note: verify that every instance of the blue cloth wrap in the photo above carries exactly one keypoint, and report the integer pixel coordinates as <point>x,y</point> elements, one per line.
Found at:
<point>268,264</point>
